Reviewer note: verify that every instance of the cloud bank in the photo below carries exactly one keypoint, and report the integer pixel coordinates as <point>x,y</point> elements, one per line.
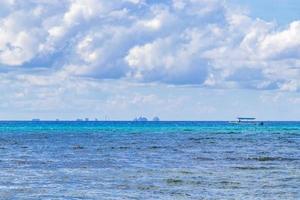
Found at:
<point>207,43</point>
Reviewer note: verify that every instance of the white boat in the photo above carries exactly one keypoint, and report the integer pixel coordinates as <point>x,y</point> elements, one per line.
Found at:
<point>246,120</point>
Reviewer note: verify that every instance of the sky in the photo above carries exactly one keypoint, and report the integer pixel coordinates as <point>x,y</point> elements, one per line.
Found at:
<point>176,59</point>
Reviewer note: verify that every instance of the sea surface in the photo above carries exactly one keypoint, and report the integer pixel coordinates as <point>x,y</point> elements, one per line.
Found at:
<point>149,160</point>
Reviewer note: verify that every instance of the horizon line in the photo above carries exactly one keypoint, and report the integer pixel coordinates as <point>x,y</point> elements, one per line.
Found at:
<point>69,120</point>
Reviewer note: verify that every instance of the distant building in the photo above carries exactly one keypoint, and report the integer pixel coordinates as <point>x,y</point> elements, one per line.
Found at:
<point>140,119</point>
<point>155,119</point>
<point>35,120</point>
<point>79,120</point>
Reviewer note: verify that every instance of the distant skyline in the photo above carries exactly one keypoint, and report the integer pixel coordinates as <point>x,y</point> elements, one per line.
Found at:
<point>175,59</point>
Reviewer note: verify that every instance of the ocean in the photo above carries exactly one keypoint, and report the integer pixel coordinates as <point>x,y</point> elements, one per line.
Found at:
<point>149,160</point>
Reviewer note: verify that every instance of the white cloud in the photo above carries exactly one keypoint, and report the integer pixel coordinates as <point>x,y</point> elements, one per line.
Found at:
<point>82,10</point>
<point>19,38</point>
<point>168,60</point>
<point>206,43</point>
<point>283,44</point>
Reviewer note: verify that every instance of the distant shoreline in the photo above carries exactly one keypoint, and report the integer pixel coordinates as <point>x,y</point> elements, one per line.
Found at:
<point>162,121</point>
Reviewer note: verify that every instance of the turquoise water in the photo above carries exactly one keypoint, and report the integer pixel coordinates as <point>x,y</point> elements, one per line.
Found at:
<point>149,160</point>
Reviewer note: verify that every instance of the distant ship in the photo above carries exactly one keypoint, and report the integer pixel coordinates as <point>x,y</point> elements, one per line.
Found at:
<point>246,120</point>
<point>156,119</point>
<point>140,119</point>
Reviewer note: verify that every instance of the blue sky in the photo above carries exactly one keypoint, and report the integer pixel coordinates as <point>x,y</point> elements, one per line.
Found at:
<point>281,11</point>
<point>176,59</point>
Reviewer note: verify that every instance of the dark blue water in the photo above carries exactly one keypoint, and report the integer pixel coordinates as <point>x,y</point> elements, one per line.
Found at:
<point>149,160</point>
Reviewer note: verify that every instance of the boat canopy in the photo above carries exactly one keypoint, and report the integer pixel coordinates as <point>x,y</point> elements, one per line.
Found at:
<point>246,118</point>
